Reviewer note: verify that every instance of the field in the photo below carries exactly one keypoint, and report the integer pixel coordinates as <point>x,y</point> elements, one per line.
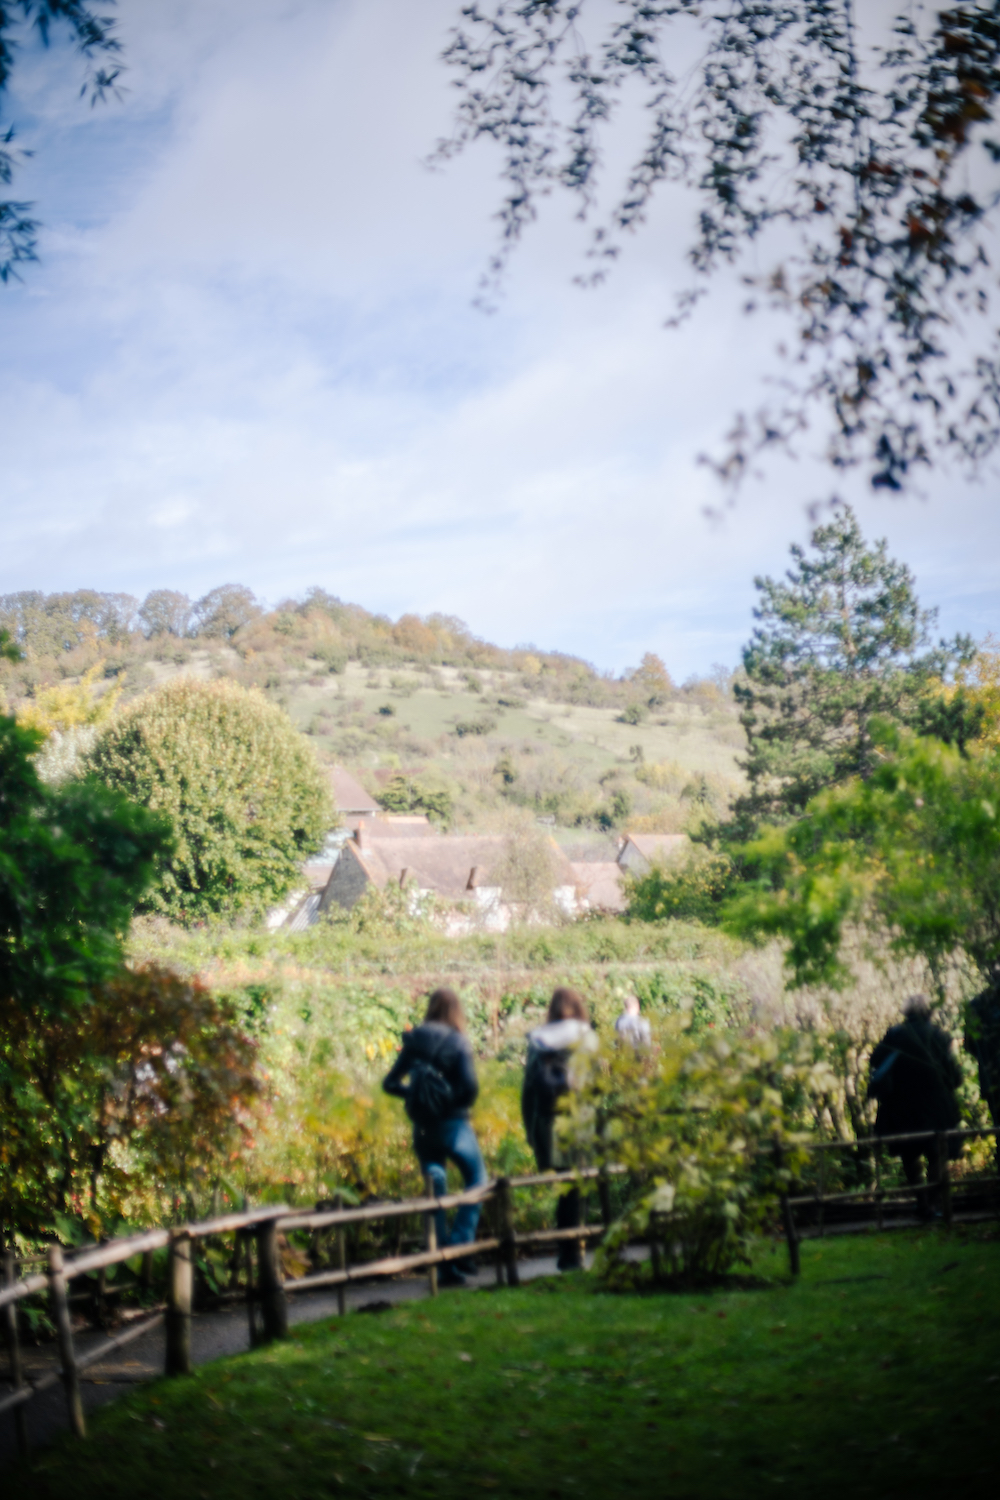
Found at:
<point>568,758</point>
<point>878,1373</point>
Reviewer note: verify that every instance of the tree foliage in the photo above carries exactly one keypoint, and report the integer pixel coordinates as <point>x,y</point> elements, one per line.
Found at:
<point>93,36</point>
<point>122,1106</point>
<point>73,864</point>
<point>224,610</point>
<point>407,794</point>
<point>165,612</point>
<point>841,641</point>
<point>912,852</point>
<point>241,787</point>
<point>861,141</point>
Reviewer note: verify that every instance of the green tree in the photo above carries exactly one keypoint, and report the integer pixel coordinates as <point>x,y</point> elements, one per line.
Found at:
<point>841,641</point>
<point>94,38</point>
<point>912,852</point>
<point>241,787</point>
<point>403,794</point>
<point>856,164</point>
<point>165,612</point>
<point>73,863</point>
<point>224,610</point>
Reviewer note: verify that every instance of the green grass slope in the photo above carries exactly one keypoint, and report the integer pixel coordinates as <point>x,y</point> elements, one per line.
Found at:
<point>877,1374</point>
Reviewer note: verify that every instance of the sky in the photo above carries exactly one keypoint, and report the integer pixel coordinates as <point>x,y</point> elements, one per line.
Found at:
<point>251,353</point>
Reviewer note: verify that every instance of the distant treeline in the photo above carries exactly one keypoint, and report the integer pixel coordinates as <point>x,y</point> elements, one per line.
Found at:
<point>62,634</point>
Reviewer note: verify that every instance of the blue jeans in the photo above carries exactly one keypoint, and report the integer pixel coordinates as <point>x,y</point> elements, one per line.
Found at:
<point>452,1139</point>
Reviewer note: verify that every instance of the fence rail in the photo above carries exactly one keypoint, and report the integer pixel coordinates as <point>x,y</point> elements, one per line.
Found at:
<point>258,1230</point>
<point>266,1293</point>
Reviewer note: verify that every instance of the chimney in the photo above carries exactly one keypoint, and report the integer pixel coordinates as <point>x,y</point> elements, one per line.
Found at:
<point>471,884</point>
<point>402,876</point>
<point>359,836</point>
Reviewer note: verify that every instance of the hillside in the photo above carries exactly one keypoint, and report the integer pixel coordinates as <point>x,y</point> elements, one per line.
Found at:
<point>427,715</point>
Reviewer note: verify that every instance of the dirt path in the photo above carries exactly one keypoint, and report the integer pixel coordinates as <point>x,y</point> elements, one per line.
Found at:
<point>213,1335</point>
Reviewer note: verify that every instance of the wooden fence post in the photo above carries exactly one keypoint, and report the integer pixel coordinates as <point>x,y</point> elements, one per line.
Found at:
<point>246,1242</point>
<point>273,1303</point>
<point>791,1235</point>
<point>338,1202</point>
<point>654,1248</point>
<point>64,1334</point>
<point>179,1284</point>
<point>430,1228</point>
<point>604,1194</point>
<point>14,1352</point>
<point>787,1216</point>
<point>943,1175</point>
<point>508,1245</point>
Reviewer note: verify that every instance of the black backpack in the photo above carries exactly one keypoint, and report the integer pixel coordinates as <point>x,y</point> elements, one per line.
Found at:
<point>549,1078</point>
<point>429,1096</point>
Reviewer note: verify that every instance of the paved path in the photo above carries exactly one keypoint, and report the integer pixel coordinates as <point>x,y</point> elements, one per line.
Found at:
<point>213,1335</point>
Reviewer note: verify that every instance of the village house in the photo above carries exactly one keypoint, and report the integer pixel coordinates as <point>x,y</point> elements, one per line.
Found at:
<point>352,802</point>
<point>638,852</point>
<point>600,885</point>
<point>457,869</point>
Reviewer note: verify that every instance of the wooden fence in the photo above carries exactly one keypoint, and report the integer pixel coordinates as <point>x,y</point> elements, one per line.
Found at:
<point>266,1292</point>
<point>811,1210</point>
<point>873,1202</point>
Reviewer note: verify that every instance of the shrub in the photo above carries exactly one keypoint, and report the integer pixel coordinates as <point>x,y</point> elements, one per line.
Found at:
<point>694,890</point>
<point>242,788</point>
<point>635,713</point>
<point>485,725</point>
<point>693,1121</point>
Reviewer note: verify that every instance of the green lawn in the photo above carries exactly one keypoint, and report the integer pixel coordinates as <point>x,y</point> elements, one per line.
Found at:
<point>877,1374</point>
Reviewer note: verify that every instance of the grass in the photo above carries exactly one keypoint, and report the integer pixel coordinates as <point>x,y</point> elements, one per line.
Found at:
<point>878,1373</point>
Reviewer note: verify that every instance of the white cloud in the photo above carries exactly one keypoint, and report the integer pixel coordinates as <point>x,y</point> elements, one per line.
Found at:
<point>261,361</point>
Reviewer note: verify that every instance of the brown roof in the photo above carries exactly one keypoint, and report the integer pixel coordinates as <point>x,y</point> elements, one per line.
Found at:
<point>452,864</point>
<point>656,845</point>
<point>349,795</point>
<point>599,883</point>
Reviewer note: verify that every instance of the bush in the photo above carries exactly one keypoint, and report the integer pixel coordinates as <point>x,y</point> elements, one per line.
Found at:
<point>635,713</point>
<point>123,1106</point>
<point>694,890</point>
<point>242,788</point>
<point>692,1122</point>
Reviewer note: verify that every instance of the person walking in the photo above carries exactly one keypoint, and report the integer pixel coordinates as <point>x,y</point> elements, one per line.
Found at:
<point>546,1080</point>
<point>435,1076</point>
<point>631,1026</point>
<point>982,1041</point>
<point>914,1076</point>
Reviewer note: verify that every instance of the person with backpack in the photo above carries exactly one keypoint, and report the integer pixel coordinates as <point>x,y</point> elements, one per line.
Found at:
<point>435,1076</point>
<point>914,1076</point>
<point>546,1081</point>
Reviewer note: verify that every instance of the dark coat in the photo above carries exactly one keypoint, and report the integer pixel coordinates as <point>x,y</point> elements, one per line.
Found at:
<point>449,1051</point>
<point>982,1039</point>
<point>920,1086</point>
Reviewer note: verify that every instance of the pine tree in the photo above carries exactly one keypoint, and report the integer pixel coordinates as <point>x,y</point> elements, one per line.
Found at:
<point>841,641</point>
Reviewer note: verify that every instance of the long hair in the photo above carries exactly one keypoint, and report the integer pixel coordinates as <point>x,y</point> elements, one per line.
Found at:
<point>567,1005</point>
<point>445,1006</point>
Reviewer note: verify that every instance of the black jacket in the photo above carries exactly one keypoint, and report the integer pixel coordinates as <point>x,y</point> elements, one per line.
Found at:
<point>922,1080</point>
<point>451,1054</point>
<point>982,1039</point>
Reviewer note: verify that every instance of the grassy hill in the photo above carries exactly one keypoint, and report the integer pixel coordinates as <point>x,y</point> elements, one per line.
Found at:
<point>482,727</point>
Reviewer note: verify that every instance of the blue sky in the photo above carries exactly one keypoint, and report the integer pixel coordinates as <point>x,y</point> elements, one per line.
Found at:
<point>250,353</point>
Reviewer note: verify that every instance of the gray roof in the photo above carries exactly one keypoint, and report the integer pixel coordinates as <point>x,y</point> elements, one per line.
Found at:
<point>451,865</point>
<point>349,795</point>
